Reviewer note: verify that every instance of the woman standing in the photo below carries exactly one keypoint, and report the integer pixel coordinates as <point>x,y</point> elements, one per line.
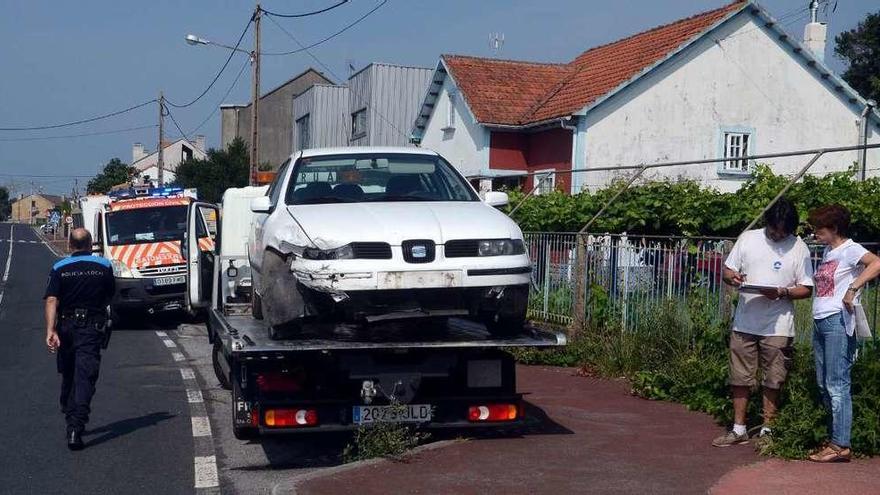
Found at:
<point>845,269</point>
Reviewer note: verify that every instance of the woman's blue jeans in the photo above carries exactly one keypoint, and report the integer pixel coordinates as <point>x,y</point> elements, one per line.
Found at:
<point>834,352</point>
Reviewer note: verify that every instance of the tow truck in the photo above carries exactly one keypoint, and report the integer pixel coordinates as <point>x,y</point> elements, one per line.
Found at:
<point>339,376</point>
<point>139,230</point>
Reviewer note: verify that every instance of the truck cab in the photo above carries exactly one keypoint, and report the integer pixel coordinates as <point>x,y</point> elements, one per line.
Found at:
<point>140,231</point>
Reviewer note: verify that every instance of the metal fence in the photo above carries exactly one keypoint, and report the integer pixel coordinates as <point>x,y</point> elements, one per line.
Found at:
<point>630,277</point>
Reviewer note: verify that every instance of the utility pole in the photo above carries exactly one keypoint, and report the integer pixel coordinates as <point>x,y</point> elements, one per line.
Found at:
<point>255,99</point>
<point>161,159</point>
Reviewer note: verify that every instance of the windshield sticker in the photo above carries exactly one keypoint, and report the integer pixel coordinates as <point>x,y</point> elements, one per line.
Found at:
<point>114,237</point>
<point>144,236</point>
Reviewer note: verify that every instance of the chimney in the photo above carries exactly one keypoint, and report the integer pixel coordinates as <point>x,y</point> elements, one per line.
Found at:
<point>137,152</point>
<point>815,33</point>
<point>200,142</point>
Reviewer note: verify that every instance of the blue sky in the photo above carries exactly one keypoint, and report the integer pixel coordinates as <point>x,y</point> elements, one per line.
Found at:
<point>65,61</point>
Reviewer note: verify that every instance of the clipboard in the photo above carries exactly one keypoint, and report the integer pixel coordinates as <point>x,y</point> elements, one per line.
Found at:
<point>755,288</point>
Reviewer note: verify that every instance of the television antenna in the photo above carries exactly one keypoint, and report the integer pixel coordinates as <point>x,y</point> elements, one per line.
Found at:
<point>496,42</point>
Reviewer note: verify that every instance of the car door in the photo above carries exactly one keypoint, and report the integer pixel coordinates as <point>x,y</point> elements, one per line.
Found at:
<point>200,255</point>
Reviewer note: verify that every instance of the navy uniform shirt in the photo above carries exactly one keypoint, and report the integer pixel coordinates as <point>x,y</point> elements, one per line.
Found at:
<point>81,281</point>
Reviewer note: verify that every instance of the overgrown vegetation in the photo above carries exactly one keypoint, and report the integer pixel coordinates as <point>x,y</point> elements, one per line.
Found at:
<point>680,353</point>
<point>115,172</point>
<point>683,207</point>
<point>390,440</point>
<point>221,170</point>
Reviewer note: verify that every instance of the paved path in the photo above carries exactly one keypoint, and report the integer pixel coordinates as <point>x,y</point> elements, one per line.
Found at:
<point>139,439</point>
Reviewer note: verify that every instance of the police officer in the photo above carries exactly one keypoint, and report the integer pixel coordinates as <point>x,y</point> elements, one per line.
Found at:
<point>80,288</point>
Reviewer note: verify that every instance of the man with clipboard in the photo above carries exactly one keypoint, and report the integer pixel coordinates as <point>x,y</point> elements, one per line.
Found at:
<point>771,268</point>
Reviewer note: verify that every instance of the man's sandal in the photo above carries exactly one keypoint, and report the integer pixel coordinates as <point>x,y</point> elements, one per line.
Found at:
<point>832,453</point>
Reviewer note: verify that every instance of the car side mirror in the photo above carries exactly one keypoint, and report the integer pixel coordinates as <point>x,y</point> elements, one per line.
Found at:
<point>184,245</point>
<point>262,204</point>
<point>496,198</point>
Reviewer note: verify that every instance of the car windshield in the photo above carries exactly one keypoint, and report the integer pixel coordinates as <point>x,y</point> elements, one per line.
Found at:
<point>142,225</point>
<point>383,177</point>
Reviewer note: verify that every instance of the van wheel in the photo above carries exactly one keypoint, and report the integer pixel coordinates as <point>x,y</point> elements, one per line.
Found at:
<point>222,377</point>
<point>256,306</point>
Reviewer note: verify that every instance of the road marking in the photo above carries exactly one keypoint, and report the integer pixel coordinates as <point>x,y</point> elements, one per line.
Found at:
<point>161,333</point>
<point>206,472</point>
<point>178,356</point>
<point>187,374</point>
<point>194,396</point>
<point>8,264</point>
<point>169,343</point>
<point>201,427</point>
<point>43,241</point>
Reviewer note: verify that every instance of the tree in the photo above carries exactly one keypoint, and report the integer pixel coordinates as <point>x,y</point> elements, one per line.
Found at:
<point>860,48</point>
<point>221,170</point>
<point>115,172</point>
<point>5,204</point>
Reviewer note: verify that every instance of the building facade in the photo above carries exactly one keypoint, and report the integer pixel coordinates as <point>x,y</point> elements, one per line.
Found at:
<point>275,125</point>
<point>34,208</point>
<point>723,84</point>
<point>174,153</point>
<point>375,108</point>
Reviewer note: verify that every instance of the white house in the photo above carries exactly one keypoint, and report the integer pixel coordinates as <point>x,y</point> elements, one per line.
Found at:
<point>722,84</point>
<point>173,154</point>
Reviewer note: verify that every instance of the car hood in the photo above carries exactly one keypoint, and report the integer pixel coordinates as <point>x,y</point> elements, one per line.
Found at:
<point>333,225</point>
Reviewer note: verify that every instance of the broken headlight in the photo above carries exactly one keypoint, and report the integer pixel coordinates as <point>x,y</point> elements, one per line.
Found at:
<point>340,253</point>
<point>501,247</point>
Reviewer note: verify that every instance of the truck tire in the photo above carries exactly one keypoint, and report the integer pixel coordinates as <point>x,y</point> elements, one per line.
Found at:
<point>222,377</point>
<point>256,306</point>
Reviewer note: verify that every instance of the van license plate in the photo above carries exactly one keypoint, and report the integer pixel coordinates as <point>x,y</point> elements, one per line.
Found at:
<point>178,279</point>
<point>407,413</point>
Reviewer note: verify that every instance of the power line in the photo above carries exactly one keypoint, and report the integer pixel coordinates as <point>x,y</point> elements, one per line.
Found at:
<point>328,38</point>
<point>78,122</point>
<point>177,125</point>
<point>217,106</point>
<point>219,73</point>
<point>334,74</point>
<point>305,14</point>
<point>86,134</point>
<point>53,176</point>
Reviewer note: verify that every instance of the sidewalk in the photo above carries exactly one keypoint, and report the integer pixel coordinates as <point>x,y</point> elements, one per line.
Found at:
<point>603,441</point>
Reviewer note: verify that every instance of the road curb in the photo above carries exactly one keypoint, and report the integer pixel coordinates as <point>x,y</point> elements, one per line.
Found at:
<point>290,487</point>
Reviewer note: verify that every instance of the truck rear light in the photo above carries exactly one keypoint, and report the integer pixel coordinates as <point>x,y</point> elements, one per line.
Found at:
<point>493,412</point>
<point>279,381</point>
<point>290,417</point>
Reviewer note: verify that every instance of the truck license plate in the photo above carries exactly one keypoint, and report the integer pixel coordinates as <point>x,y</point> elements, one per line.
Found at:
<point>177,279</point>
<point>408,413</point>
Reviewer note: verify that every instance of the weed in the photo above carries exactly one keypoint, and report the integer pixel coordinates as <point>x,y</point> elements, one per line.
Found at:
<point>390,440</point>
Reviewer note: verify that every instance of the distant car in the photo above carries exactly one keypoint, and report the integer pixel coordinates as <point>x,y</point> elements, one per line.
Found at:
<point>47,228</point>
<point>378,234</point>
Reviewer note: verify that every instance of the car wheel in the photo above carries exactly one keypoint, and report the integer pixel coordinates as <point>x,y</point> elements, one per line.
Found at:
<point>256,306</point>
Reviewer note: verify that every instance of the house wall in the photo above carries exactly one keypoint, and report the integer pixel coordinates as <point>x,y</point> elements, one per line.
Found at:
<point>21,209</point>
<point>172,156</point>
<point>739,77</point>
<point>276,126</point>
<point>329,121</point>
<point>397,93</point>
<point>533,152</point>
<point>467,145</point>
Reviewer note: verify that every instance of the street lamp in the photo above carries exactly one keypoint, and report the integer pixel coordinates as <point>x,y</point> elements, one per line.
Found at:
<point>254,55</point>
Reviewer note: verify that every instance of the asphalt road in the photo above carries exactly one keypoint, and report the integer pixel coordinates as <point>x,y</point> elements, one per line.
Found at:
<point>140,438</point>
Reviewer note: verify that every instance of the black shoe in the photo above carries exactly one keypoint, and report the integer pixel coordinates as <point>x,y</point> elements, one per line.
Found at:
<point>74,440</point>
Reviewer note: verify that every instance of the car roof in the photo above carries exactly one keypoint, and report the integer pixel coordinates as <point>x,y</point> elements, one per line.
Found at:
<point>357,150</point>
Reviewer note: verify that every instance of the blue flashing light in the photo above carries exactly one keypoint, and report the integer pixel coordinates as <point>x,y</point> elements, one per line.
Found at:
<point>142,192</point>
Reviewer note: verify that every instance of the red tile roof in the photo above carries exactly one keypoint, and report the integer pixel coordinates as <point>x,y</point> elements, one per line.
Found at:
<point>519,93</point>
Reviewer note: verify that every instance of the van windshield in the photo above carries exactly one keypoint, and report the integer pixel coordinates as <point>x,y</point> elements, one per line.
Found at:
<point>366,178</point>
<point>143,225</point>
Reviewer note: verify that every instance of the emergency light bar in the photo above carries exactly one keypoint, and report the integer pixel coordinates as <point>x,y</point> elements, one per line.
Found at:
<point>151,192</point>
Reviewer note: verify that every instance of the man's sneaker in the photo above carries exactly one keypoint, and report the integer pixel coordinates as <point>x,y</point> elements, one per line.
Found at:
<point>730,438</point>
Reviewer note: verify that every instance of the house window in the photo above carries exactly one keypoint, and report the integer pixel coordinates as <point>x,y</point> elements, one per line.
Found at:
<point>303,138</point>
<point>185,153</point>
<point>736,145</point>
<point>450,112</point>
<point>547,185</point>
<point>359,123</point>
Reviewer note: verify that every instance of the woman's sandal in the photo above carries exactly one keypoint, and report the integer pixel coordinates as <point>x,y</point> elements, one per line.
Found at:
<point>832,453</point>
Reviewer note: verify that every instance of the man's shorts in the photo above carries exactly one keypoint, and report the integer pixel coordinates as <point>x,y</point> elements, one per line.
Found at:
<point>772,353</point>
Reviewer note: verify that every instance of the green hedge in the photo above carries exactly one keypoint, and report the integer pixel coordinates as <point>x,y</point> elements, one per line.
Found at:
<point>683,207</point>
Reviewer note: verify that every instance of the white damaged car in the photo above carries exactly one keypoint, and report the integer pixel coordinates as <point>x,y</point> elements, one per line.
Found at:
<point>376,234</point>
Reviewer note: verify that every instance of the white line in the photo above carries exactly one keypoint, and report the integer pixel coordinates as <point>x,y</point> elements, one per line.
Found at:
<point>8,263</point>
<point>206,472</point>
<point>201,427</point>
<point>187,374</point>
<point>169,343</point>
<point>160,333</point>
<point>194,396</point>
<point>178,356</point>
